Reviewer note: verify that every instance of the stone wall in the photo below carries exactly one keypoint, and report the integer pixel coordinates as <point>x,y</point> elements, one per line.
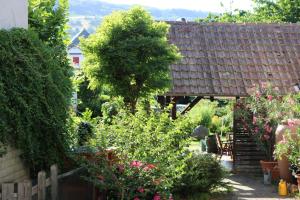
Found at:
<point>12,168</point>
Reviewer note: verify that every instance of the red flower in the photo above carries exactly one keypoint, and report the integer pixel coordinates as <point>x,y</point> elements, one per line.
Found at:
<point>136,198</point>
<point>141,190</point>
<point>270,97</point>
<point>149,167</point>
<point>156,197</point>
<point>136,164</point>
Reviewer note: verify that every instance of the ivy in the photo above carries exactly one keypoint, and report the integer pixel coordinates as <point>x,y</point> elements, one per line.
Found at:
<point>35,92</point>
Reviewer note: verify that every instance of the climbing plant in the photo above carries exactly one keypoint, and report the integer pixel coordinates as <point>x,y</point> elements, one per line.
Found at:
<point>34,98</point>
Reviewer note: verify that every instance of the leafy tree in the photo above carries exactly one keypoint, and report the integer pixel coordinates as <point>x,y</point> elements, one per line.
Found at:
<point>264,11</point>
<point>49,19</point>
<point>130,53</point>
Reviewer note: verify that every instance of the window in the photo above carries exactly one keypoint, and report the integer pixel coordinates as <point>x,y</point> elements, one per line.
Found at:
<point>76,60</point>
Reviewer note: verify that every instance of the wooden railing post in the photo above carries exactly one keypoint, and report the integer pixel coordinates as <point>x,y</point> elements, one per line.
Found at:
<point>24,190</point>
<point>42,185</point>
<point>54,182</point>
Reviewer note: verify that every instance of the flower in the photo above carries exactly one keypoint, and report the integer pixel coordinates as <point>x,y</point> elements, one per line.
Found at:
<point>136,198</point>
<point>266,137</point>
<point>171,197</point>
<point>270,97</point>
<point>254,120</point>
<point>291,123</point>
<point>149,167</point>
<point>156,197</point>
<point>136,164</point>
<point>141,190</point>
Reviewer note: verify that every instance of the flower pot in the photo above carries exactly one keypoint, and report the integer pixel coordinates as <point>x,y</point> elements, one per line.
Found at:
<point>283,163</point>
<point>211,144</point>
<point>267,165</point>
<point>275,173</point>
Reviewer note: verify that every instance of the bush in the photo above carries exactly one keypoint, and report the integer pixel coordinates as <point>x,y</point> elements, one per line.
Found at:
<point>151,138</point>
<point>35,91</point>
<point>202,173</point>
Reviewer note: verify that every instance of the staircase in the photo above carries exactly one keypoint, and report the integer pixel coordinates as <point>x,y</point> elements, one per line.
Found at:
<point>246,154</point>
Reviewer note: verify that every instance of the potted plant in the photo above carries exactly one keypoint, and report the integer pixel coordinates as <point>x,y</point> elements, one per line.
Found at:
<point>289,147</point>
<point>269,109</point>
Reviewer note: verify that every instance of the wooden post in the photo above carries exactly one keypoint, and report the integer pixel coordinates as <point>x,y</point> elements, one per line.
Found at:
<point>24,190</point>
<point>162,101</point>
<point>42,185</point>
<point>8,191</point>
<point>54,182</point>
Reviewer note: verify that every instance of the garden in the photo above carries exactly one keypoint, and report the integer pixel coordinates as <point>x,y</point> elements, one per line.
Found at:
<point>127,143</point>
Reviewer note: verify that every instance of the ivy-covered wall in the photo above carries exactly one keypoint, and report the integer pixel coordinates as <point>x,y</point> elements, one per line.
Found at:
<point>35,91</point>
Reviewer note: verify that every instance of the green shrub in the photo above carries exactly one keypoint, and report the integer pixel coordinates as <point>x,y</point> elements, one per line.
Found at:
<point>35,91</point>
<point>149,138</point>
<point>202,173</point>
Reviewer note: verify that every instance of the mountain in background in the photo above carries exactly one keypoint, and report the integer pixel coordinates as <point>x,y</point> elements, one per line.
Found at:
<point>89,13</point>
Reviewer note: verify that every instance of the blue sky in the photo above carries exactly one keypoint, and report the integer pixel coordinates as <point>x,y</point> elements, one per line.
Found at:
<point>204,5</point>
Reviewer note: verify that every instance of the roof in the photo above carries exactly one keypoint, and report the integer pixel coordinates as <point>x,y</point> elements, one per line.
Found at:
<point>76,39</point>
<point>223,59</point>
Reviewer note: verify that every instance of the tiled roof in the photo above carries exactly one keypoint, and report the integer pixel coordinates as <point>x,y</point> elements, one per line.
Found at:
<point>76,39</point>
<point>223,59</point>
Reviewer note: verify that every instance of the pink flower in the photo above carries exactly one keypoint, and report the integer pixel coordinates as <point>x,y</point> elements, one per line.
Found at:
<point>254,120</point>
<point>136,164</point>
<point>257,94</point>
<point>268,128</point>
<point>149,167</point>
<point>267,137</point>
<point>256,129</point>
<point>171,197</point>
<point>270,97</point>
<point>136,198</point>
<point>291,123</point>
<point>156,197</point>
<point>141,190</point>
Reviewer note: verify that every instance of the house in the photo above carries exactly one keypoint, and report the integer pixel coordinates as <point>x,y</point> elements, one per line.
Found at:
<point>76,57</point>
<point>13,13</point>
<point>74,49</point>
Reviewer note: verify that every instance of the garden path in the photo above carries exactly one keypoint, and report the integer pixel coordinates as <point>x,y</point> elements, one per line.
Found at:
<point>250,188</point>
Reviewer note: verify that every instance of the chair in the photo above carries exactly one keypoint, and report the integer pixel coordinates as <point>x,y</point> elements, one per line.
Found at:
<point>223,147</point>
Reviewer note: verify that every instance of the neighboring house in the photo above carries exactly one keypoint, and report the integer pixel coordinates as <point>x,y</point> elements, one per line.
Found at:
<point>13,13</point>
<point>76,57</point>
<point>74,49</point>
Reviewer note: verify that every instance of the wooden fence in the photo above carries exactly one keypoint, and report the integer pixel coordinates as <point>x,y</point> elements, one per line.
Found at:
<point>25,191</point>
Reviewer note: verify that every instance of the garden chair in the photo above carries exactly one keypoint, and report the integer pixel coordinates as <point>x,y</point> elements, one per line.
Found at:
<point>223,147</point>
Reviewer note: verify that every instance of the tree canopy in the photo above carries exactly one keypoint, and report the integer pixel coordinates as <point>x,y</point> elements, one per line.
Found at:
<point>130,53</point>
<point>269,11</point>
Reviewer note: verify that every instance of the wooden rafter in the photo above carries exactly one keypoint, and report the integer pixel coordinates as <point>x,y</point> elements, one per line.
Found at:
<point>191,105</point>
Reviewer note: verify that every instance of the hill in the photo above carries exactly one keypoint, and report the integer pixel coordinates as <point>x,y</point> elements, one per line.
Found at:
<point>91,12</point>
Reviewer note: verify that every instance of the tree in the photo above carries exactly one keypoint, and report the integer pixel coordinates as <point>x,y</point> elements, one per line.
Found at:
<point>48,18</point>
<point>268,11</point>
<point>130,53</point>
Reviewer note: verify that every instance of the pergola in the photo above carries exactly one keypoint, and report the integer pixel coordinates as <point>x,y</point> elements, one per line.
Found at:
<point>226,60</point>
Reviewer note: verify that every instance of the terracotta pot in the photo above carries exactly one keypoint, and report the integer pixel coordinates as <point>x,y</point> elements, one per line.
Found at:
<point>268,165</point>
<point>283,163</point>
<point>275,173</point>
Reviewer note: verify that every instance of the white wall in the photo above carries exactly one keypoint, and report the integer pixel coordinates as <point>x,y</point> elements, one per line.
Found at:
<point>13,13</point>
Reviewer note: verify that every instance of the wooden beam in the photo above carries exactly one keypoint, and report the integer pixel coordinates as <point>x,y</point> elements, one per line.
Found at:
<point>191,105</point>
<point>174,111</point>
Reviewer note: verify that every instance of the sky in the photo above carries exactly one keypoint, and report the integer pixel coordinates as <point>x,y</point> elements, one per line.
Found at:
<point>203,5</point>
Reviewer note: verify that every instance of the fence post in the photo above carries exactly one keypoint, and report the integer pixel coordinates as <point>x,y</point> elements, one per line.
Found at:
<point>54,182</point>
<point>24,190</point>
<point>7,191</point>
<point>42,185</point>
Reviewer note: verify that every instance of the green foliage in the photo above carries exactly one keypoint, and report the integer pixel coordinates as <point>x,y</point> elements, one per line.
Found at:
<point>35,93</point>
<point>130,53</point>
<point>88,98</point>
<point>268,11</point>
<point>149,138</point>
<point>203,173</point>
<point>48,18</point>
